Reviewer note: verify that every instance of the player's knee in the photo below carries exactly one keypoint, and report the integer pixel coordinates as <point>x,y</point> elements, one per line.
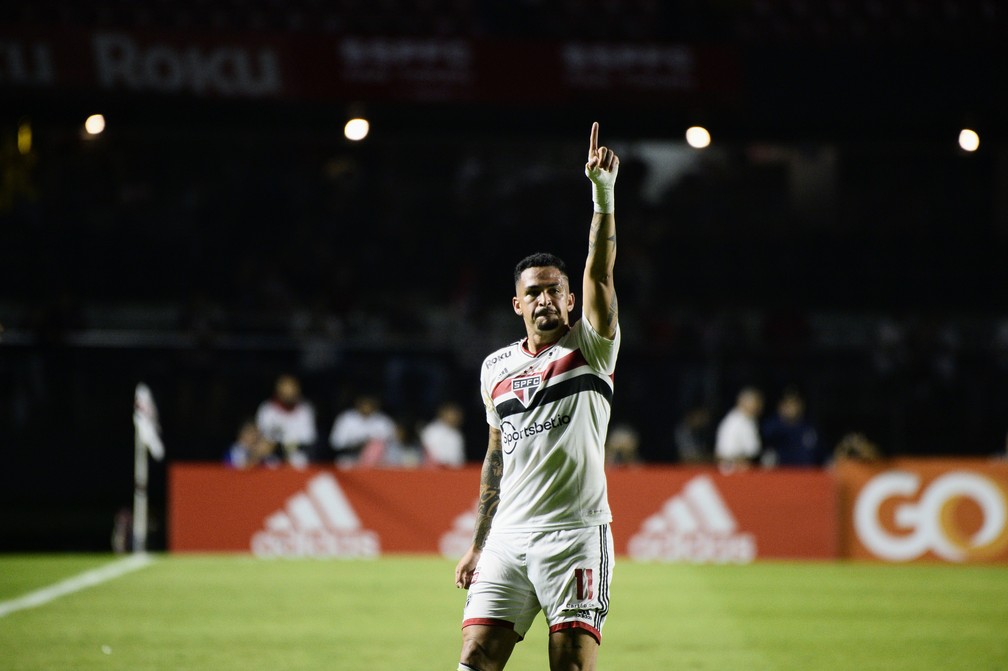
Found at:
<point>487,648</point>
<point>475,654</point>
<point>570,660</point>
<point>572,663</point>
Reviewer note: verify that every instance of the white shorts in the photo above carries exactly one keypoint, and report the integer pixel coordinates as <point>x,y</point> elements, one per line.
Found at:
<point>565,574</point>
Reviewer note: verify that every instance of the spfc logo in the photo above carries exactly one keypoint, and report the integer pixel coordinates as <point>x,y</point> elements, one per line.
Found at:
<point>525,387</point>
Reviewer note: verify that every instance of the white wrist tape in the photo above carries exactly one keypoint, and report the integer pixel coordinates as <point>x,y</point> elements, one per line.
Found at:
<point>603,183</point>
<point>603,197</point>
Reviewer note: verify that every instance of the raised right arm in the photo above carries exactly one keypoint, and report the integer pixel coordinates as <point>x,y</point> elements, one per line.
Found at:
<point>599,291</point>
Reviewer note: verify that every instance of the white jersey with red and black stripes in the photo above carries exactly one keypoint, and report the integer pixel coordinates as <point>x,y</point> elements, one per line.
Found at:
<point>552,409</point>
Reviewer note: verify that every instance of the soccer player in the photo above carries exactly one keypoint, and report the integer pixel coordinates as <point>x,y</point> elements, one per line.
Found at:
<point>542,540</point>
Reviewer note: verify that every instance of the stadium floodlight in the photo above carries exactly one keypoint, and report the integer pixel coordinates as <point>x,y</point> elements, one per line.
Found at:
<point>356,129</point>
<point>94,124</point>
<point>698,137</point>
<point>969,140</point>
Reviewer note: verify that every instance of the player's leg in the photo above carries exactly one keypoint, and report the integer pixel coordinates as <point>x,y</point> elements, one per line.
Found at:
<point>573,649</point>
<point>572,572</point>
<point>500,606</point>
<point>487,647</point>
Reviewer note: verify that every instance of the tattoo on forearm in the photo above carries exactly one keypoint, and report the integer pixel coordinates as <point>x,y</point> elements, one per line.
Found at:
<point>593,235</point>
<point>490,479</point>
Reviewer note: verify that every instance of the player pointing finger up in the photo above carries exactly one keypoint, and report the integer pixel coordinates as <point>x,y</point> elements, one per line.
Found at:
<point>542,541</point>
<point>599,157</point>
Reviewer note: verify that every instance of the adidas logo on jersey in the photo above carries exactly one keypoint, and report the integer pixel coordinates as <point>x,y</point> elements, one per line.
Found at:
<point>694,526</point>
<point>317,522</point>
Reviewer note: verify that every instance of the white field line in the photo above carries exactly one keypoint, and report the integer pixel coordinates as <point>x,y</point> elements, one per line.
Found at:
<point>75,584</point>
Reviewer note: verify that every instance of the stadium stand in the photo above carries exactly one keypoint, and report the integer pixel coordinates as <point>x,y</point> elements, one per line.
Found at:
<point>204,245</point>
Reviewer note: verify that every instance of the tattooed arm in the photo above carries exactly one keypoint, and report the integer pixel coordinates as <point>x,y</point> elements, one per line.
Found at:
<point>600,306</point>
<point>490,479</point>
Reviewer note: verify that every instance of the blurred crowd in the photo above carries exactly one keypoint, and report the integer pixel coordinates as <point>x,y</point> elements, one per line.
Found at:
<point>284,431</point>
<point>237,253</point>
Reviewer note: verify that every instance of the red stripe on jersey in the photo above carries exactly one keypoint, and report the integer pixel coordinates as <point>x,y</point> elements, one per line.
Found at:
<point>569,362</point>
<point>503,387</point>
<point>562,365</point>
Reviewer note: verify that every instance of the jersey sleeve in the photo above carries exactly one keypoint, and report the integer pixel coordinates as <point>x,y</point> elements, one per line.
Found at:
<point>492,418</point>
<point>600,352</point>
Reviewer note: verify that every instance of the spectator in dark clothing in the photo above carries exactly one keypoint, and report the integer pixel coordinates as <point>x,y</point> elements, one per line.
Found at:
<point>694,437</point>
<point>788,438</point>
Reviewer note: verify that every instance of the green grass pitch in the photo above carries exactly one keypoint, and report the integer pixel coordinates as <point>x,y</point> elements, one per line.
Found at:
<point>224,613</point>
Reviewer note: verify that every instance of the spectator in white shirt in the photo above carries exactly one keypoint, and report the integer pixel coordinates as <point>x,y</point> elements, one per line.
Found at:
<point>737,444</point>
<point>361,434</point>
<point>442,439</point>
<point>288,421</point>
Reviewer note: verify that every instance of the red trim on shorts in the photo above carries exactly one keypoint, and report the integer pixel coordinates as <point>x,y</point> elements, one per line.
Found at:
<point>577,624</point>
<point>487,622</point>
<point>490,622</point>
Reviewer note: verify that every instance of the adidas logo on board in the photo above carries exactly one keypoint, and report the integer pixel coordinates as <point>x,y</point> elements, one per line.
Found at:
<point>317,522</point>
<point>454,542</point>
<point>694,526</point>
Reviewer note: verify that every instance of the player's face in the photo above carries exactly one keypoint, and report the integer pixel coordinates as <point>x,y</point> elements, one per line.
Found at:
<point>543,299</point>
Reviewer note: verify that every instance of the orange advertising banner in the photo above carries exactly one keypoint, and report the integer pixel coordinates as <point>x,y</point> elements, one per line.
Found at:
<point>661,514</point>
<point>317,512</point>
<point>702,515</point>
<point>904,510</point>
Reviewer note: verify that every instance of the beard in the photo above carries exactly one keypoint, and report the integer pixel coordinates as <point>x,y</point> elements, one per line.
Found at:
<point>547,319</point>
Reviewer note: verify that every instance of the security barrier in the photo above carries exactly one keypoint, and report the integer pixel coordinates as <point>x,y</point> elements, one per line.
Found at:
<point>661,514</point>
<point>906,510</point>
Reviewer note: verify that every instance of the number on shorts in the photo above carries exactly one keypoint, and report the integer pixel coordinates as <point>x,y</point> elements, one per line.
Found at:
<point>585,586</point>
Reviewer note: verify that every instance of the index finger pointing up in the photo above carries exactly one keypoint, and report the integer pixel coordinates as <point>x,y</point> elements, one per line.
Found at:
<point>593,141</point>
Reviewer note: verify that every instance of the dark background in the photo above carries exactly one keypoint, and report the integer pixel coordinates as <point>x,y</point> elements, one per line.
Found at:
<point>834,236</point>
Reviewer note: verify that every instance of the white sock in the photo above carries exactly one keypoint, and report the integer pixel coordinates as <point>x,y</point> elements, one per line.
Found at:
<point>466,667</point>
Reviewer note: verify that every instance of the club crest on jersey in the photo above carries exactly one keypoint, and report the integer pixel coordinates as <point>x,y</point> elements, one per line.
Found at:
<point>525,387</point>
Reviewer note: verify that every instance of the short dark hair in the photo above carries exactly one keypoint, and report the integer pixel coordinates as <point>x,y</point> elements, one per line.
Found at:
<point>540,260</point>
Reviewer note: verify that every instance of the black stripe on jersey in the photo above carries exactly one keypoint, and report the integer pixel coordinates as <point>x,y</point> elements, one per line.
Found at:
<point>556,391</point>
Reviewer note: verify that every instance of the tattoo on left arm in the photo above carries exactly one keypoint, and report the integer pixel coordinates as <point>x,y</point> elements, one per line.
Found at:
<point>490,479</point>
